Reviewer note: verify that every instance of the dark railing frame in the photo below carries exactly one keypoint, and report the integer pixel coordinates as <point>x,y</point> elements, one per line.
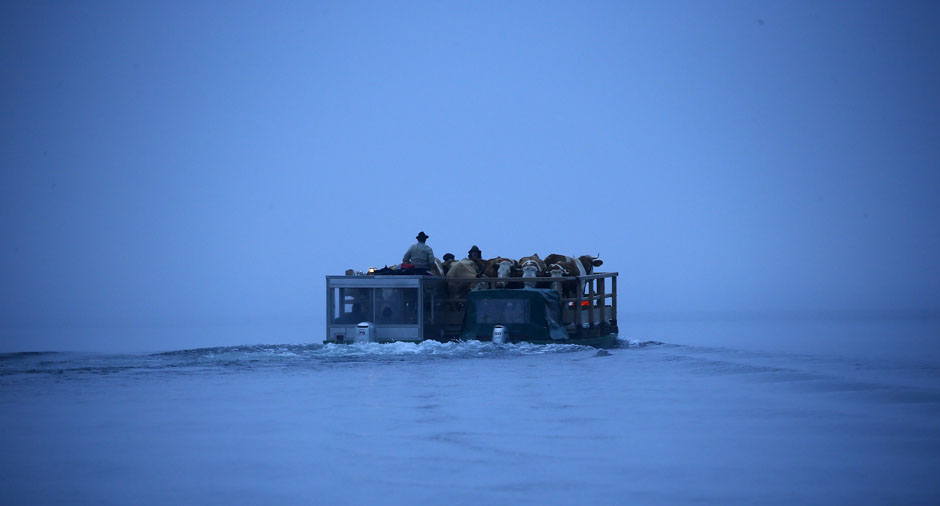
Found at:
<point>594,283</point>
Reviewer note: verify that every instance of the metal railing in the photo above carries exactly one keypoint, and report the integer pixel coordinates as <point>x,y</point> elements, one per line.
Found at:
<point>591,288</point>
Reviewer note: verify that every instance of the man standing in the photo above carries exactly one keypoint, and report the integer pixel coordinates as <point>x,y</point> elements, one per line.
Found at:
<point>476,255</point>
<point>420,255</point>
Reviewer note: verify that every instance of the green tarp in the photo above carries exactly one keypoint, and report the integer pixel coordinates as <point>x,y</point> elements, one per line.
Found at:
<point>528,314</point>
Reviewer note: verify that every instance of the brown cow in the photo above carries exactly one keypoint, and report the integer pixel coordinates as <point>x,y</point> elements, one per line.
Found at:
<point>464,269</point>
<point>437,268</point>
<point>564,266</point>
<point>532,267</point>
<point>501,267</point>
<point>448,261</point>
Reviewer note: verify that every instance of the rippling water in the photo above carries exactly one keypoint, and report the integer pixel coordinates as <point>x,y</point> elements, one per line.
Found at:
<point>468,423</point>
<point>259,357</point>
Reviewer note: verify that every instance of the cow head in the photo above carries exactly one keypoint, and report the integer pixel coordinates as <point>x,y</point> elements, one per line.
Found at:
<point>531,266</point>
<point>590,262</point>
<point>557,270</point>
<point>530,270</point>
<point>500,267</point>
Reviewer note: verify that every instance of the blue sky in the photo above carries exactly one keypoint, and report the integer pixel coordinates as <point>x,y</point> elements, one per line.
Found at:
<point>212,161</point>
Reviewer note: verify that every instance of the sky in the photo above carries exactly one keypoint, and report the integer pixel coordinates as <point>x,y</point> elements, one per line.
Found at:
<point>174,163</point>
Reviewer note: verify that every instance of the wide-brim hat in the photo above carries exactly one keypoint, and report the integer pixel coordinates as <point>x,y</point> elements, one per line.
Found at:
<point>474,249</point>
<point>421,235</point>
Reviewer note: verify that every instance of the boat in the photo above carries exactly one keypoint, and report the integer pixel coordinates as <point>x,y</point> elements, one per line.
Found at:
<point>365,307</point>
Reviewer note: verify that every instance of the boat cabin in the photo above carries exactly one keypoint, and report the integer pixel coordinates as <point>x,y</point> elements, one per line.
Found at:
<point>386,308</point>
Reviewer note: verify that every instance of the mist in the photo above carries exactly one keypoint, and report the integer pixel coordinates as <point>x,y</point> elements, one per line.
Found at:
<point>190,166</point>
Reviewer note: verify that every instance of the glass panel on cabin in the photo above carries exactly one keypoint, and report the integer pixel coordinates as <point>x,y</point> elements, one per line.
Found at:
<point>396,305</point>
<point>352,305</point>
<point>502,311</point>
<point>433,304</point>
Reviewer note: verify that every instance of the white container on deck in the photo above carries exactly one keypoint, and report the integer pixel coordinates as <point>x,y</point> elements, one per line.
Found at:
<point>499,334</point>
<point>365,332</point>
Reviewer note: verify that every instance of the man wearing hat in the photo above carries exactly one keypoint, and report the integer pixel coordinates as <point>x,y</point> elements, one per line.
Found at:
<point>420,255</point>
<point>477,256</point>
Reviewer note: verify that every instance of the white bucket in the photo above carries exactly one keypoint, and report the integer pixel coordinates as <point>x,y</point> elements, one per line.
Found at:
<point>364,332</point>
<point>499,334</point>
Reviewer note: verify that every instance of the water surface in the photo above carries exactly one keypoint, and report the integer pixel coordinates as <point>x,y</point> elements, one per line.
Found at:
<point>651,422</point>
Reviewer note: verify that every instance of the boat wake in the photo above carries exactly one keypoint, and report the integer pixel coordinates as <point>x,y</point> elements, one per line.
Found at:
<point>623,342</point>
<point>375,351</point>
<point>266,356</point>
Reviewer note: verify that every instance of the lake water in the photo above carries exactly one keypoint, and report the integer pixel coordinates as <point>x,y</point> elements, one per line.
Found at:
<point>718,412</point>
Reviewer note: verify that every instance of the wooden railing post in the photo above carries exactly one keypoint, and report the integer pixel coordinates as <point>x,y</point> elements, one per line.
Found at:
<point>613,298</point>
<point>591,296</point>
<point>578,318</point>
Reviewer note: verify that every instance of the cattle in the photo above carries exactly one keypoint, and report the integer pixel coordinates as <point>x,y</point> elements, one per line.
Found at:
<point>464,269</point>
<point>564,266</point>
<point>532,267</point>
<point>580,266</point>
<point>448,261</point>
<point>437,268</point>
<point>501,267</point>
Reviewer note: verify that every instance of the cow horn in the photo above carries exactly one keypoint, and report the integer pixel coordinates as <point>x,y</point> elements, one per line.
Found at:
<point>598,256</point>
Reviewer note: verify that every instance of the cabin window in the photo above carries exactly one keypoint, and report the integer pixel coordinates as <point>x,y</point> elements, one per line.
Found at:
<point>434,297</point>
<point>502,311</point>
<point>396,306</point>
<point>352,305</point>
